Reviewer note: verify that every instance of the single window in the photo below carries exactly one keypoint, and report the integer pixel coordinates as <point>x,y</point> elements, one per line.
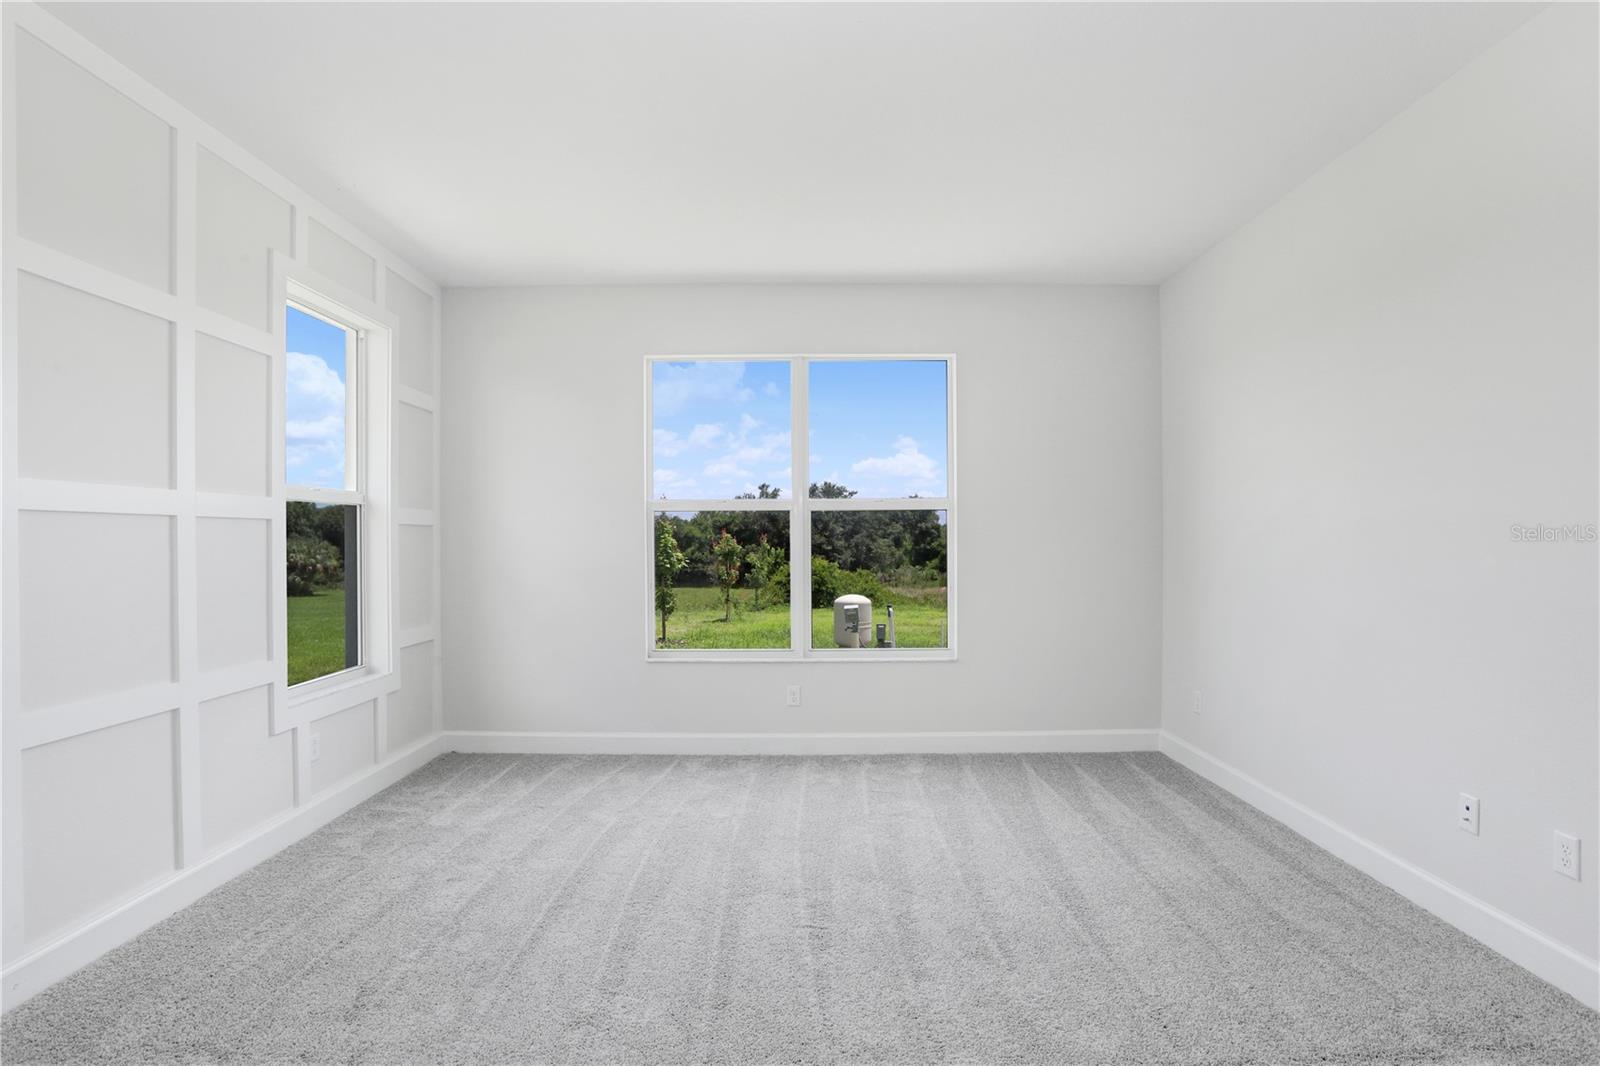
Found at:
<point>742,564</point>
<point>324,494</point>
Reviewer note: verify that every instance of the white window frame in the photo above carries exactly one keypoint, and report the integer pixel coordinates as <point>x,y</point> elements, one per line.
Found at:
<point>369,467</point>
<point>800,508</point>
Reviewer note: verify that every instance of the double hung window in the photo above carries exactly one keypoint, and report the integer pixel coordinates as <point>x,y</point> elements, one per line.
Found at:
<point>839,547</point>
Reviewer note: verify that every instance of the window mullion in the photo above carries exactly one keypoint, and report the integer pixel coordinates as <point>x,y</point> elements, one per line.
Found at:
<point>800,516</point>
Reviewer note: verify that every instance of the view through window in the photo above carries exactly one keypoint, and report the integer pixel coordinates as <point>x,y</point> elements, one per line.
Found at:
<point>869,539</point>
<point>324,501</point>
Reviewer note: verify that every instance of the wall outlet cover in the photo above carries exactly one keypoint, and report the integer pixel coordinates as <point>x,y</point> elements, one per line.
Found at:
<point>1467,814</point>
<point>1567,859</point>
<point>792,698</point>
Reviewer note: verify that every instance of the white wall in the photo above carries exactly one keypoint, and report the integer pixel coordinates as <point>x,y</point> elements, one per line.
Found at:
<point>139,657</point>
<point>544,568</point>
<point>1364,390</point>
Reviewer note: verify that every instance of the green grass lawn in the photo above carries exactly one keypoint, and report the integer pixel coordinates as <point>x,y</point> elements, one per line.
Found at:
<point>316,635</point>
<point>697,623</point>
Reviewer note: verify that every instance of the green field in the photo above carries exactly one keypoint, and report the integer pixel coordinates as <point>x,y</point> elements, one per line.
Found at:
<point>919,617</point>
<point>316,635</point>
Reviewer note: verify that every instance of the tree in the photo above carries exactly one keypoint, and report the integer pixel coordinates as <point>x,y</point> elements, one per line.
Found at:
<point>829,491</point>
<point>882,542</point>
<point>726,559</point>
<point>698,532</point>
<point>764,558</point>
<point>763,492</point>
<point>300,519</point>
<point>303,519</point>
<point>669,562</point>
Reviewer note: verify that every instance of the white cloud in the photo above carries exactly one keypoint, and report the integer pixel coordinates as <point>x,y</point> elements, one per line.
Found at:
<point>727,467</point>
<point>668,443</point>
<point>328,427</point>
<point>314,430</point>
<point>771,389</point>
<point>313,380</point>
<point>768,446</point>
<point>672,483</point>
<point>704,435</point>
<point>906,462</point>
<point>732,450</point>
<point>677,385</point>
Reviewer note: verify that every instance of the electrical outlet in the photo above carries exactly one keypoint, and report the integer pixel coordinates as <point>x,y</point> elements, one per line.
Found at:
<point>1194,705</point>
<point>1467,814</point>
<point>316,746</point>
<point>1567,856</point>
<point>793,696</point>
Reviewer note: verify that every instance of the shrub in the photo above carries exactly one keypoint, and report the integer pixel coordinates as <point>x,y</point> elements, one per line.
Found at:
<point>778,585</point>
<point>913,577</point>
<point>312,563</point>
<point>829,582</point>
<point>824,582</point>
<point>862,583</point>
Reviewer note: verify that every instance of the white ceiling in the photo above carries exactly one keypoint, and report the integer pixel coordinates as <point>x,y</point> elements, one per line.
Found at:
<point>527,144</point>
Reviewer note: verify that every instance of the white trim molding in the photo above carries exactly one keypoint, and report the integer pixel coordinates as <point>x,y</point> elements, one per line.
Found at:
<point>60,958</point>
<point>1020,740</point>
<point>1524,945</point>
<point>176,301</point>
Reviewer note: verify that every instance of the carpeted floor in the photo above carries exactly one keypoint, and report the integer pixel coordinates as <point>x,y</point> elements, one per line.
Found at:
<point>904,909</point>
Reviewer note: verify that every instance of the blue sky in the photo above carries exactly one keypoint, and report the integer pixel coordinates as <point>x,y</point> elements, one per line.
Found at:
<point>314,430</point>
<point>722,427</point>
<point>878,426</point>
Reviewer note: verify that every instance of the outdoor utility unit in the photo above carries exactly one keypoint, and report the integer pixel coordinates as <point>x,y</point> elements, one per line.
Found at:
<point>852,621</point>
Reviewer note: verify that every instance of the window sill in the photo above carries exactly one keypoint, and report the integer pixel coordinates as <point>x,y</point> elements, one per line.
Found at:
<point>817,655</point>
<point>343,690</point>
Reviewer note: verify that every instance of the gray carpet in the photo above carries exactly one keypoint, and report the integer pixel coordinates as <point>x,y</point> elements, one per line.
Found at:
<point>906,909</point>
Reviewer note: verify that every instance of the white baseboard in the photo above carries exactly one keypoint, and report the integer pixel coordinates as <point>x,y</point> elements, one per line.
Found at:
<point>514,743</point>
<point>46,965</point>
<point>1516,940</point>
